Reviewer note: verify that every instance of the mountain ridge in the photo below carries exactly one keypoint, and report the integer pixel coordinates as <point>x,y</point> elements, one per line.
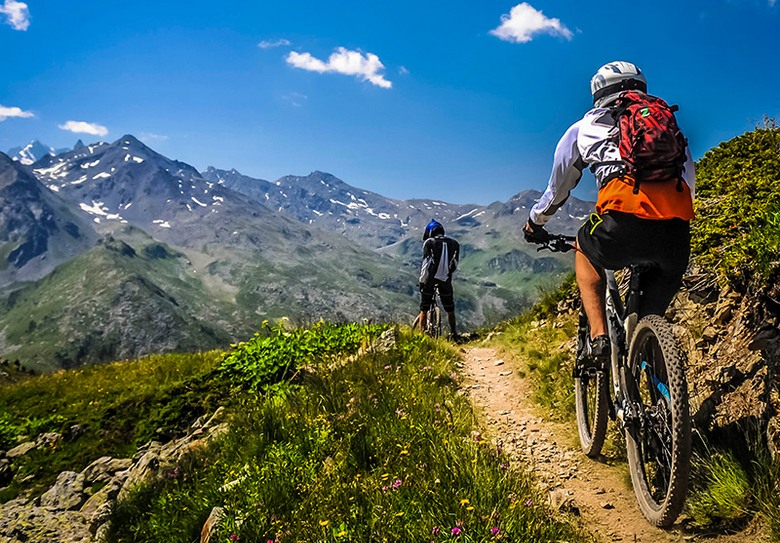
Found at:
<point>303,247</point>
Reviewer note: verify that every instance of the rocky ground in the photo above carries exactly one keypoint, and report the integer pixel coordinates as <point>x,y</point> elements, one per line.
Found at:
<point>595,491</point>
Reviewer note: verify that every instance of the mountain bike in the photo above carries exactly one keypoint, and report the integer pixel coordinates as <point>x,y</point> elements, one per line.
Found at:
<point>648,396</point>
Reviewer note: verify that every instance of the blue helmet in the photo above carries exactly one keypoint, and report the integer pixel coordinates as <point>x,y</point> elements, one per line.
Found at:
<point>433,229</point>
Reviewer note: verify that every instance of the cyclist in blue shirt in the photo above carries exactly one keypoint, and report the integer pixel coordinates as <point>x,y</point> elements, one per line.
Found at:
<point>440,260</point>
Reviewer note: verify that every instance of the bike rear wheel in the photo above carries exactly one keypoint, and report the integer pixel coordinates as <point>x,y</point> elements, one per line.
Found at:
<point>590,399</point>
<point>658,432</point>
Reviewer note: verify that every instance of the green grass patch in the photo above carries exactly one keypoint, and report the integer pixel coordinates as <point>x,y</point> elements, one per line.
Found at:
<point>378,448</point>
<point>720,494</point>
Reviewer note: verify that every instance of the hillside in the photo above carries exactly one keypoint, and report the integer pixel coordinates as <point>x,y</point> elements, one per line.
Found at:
<point>227,252</point>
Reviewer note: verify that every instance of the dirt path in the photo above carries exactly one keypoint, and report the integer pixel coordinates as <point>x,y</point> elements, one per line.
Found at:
<point>597,490</point>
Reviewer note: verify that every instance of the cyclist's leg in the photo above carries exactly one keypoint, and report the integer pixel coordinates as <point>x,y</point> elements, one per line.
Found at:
<point>592,284</point>
<point>597,246</point>
<point>426,300</point>
<point>448,301</point>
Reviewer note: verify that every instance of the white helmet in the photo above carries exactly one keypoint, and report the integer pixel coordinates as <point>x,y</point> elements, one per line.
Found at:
<point>612,79</point>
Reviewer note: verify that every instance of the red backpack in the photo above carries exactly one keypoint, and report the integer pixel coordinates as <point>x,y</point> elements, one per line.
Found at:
<point>652,147</point>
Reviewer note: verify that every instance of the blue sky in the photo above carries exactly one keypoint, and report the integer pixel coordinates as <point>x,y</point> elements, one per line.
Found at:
<point>461,101</point>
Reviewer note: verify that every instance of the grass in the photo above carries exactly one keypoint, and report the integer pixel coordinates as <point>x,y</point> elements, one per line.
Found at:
<point>722,495</point>
<point>102,410</point>
<point>322,446</point>
<point>377,449</point>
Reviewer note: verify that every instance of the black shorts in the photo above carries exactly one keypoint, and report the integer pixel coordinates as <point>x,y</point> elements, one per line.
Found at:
<point>445,295</point>
<point>616,240</point>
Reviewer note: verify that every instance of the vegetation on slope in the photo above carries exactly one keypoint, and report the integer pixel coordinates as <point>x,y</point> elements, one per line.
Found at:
<point>376,446</point>
<point>737,225</point>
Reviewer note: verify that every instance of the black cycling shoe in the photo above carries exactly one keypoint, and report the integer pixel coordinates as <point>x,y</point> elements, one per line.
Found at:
<point>597,357</point>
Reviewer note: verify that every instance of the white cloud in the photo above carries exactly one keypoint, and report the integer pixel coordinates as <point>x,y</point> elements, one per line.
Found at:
<point>6,112</point>
<point>17,13</point>
<point>80,127</point>
<point>523,22</point>
<point>268,44</point>
<point>367,67</point>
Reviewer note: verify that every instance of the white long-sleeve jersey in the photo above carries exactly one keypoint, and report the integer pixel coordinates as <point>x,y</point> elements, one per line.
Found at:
<point>589,141</point>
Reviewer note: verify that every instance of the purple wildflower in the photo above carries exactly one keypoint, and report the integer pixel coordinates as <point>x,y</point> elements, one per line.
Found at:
<point>456,531</point>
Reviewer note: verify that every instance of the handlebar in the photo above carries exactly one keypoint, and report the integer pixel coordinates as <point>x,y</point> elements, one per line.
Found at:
<point>558,243</point>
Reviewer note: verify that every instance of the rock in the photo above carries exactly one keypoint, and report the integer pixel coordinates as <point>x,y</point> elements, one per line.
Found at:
<point>212,524</point>
<point>67,493</point>
<point>709,334</point>
<point>49,439</point>
<point>104,468</point>
<point>21,450</point>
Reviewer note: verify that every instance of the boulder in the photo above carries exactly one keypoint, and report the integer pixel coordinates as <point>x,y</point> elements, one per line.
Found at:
<point>67,494</point>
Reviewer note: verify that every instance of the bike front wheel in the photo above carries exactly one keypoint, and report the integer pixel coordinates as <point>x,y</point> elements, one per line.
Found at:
<point>590,399</point>
<point>433,321</point>
<point>658,427</point>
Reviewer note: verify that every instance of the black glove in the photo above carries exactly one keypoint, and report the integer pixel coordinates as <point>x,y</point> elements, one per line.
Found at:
<point>535,233</point>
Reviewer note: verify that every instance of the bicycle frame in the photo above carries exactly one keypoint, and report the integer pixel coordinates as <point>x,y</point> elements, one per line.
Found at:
<point>621,322</point>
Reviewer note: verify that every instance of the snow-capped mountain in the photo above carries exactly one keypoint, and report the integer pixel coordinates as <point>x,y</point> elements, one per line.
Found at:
<point>38,230</point>
<point>31,153</point>
<point>222,251</point>
<point>377,222</point>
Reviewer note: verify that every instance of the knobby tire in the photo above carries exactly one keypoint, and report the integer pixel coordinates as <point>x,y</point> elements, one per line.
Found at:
<point>590,399</point>
<point>433,321</point>
<point>659,448</point>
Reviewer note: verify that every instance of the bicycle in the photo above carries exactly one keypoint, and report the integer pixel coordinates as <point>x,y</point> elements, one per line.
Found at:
<point>433,316</point>
<point>648,396</point>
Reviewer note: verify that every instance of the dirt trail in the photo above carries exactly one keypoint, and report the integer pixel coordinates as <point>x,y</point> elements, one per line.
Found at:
<point>596,489</point>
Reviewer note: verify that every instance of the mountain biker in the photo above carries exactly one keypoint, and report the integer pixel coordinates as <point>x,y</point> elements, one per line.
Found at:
<point>649,225</point>
<point>440,260</point>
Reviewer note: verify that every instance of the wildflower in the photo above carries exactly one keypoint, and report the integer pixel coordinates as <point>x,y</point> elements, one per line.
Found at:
<point>494,531</point>
<point>456,531</point>
<point>529,503</point>
<point>436,530</point>
<point>396,484</point>
<point>234,537</point>
<point>463,502</point>
<point>324,523</point>
<point>388,367</point>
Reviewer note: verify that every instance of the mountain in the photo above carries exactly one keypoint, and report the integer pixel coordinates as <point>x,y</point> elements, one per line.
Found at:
<point>499,275</point>
<point>373,220</point>
<point>38,230</point>
<point>323,200</point>
<point>33,152</point>
<point>241,262</point>
<point>189,260</point>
